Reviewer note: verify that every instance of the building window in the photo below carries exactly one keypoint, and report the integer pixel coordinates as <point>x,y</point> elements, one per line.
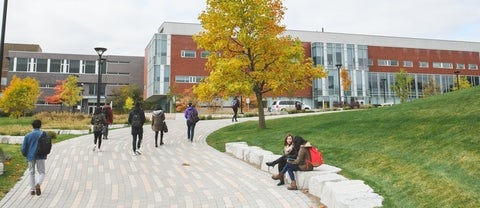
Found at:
<point>74,66</point>
<point>423,64</point>
<point>383,62</point>
<point>370,62</point>
<point>88,67</point>
<point>188,54</point>
<point>460,66</point>
<point>407,63</point>
<point>55,65</point>
<point>472,67</point>
<point>22,64</point>
<point>188,79</point>
<point>42,65</point>
<point>204,54</point>
<point>441,65</point>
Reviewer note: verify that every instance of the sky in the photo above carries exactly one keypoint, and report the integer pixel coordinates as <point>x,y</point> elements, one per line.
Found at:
<point>125,27</point>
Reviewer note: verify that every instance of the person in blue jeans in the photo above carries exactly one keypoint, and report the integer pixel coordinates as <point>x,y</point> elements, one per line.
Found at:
<point>299,164</point>
<point>190,125</point>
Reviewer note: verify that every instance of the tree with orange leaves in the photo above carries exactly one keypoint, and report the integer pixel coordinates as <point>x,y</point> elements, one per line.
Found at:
<point>346,81</point>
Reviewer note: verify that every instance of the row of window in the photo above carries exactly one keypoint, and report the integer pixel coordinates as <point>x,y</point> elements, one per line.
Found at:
<point>425,64</point>
<point>189,79</point>
<point>193,54</point>
<point>53,65</point>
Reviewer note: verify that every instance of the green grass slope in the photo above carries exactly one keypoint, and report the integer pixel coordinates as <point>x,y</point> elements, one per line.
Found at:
<point>424,153</point>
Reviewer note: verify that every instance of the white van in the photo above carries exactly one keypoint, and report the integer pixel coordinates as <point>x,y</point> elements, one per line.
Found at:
<point>287,105</point>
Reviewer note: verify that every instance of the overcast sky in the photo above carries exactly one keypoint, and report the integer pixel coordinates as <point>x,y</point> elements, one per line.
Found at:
<point>126,26</point>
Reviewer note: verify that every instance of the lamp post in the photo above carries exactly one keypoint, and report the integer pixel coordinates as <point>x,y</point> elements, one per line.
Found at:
<point>100,52</point>
<point>384,81</point>
<point>339,66</point>
<point>458,81</point>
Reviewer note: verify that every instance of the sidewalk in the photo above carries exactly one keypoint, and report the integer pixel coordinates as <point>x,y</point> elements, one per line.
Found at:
<point>177,174</point>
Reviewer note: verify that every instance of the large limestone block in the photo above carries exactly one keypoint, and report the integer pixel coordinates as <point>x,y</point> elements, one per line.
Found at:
<point>342,194</point>
<point>316,183</point>
<point>255,156</point>
<point>270,158</point>
<point>236,149</point>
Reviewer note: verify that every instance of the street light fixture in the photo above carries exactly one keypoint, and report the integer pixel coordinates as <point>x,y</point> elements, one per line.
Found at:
<point>100,52</point>
<point>339,66</point>
<point>458,81</point>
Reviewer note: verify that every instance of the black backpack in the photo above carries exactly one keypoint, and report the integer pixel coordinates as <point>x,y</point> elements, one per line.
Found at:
<point>44,145</point>
<point>136,120</point>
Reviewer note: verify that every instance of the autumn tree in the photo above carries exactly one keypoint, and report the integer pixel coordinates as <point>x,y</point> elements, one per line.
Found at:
<point>20,96</point>
<point>129,103</point>
<point>67,92</point>
<point>403,85</point>
<point>464,83</point>
<point>249,52</point>
<point>120,95</point>
<point>346,81</point>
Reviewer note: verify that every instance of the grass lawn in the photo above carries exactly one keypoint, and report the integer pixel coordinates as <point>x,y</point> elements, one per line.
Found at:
<point>424,153</point>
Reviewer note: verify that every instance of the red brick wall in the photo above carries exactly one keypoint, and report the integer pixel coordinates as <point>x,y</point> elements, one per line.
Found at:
<point>419,55</point>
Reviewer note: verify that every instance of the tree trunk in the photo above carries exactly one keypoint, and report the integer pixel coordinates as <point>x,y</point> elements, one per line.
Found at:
<point>261,112</point>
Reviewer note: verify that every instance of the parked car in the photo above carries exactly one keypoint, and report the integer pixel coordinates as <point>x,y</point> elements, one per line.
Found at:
<point>287,105</point>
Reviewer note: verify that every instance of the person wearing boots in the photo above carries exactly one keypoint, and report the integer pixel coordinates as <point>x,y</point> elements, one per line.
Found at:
<point>287,153</point>
<point>158,117</point>
<point>299,164</point>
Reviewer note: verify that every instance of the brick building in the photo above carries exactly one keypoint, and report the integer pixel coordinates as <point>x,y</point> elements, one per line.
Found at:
<point>173,61</point>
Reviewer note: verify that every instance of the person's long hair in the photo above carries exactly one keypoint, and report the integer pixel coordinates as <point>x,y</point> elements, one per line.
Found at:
<point>298,141</point>
<point>285,140</point>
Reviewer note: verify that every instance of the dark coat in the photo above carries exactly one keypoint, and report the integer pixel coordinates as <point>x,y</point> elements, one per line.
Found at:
<point>140,112</point>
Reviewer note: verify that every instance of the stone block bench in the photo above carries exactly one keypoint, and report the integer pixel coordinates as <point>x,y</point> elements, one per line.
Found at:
<point>324,182</point>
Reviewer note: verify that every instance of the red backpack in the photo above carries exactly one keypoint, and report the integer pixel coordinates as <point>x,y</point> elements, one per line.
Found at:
<point>316,158</point>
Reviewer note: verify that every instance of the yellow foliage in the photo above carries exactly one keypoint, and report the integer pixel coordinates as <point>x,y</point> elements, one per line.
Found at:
<point>20,96</point>
<point>250,53</point>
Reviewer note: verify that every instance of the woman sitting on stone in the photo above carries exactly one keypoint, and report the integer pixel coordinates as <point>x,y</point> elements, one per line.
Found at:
<point>299,164</point>
<point>288,152</point>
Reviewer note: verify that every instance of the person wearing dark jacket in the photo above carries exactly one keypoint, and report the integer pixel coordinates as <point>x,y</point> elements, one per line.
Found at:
<point>99,122</point>
<point>190,125</point>
<point>158,119</point>
<point>29,151</point>
<point>288,152</point>
<point>235,106</point>
<point>136,119</point>
<point>299,164</point>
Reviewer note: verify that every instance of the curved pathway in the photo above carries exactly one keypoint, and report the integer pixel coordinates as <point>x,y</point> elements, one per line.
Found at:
<point>177,174</point>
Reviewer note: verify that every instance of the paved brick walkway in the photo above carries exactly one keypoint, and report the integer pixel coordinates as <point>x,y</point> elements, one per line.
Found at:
<point>177,174</point>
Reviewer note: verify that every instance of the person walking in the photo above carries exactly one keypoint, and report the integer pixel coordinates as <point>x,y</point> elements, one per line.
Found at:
<point>235,105</point>
<point>136,119</point>
<point>108,113</point>
<point>288,152</point>
<point>29,151</point>
<point>191,114</point>
<point>99,122</point>
<point>158,119</point>
<point>299,164</point>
